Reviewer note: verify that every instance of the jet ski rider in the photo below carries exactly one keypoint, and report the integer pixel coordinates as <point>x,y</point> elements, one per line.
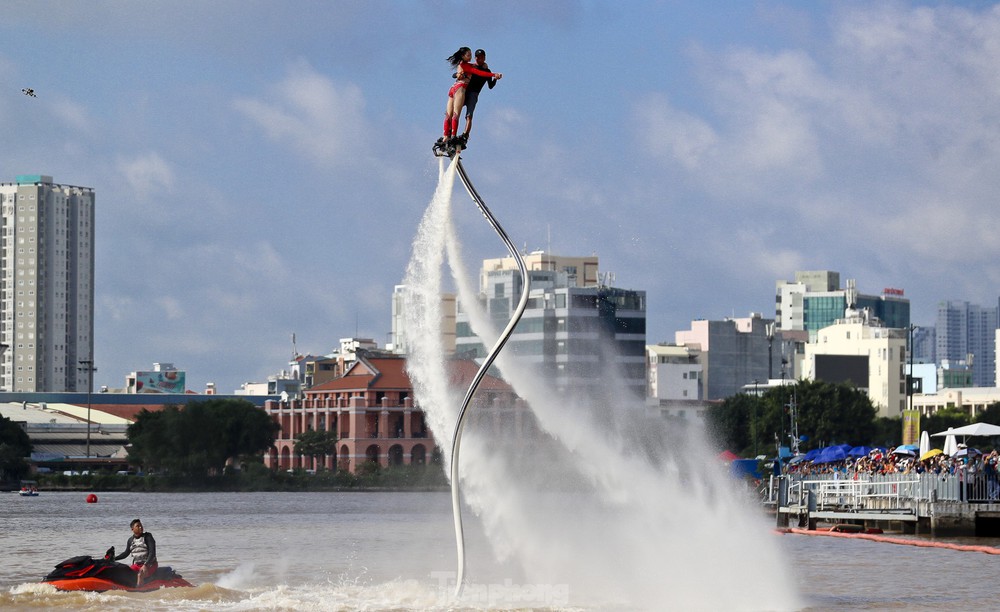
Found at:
<point>142,547</point>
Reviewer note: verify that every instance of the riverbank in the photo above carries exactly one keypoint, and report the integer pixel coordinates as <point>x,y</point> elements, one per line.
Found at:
<point>255,478</point>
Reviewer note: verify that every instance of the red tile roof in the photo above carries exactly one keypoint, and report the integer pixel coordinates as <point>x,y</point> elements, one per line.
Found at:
<point>390,373</point>
<point>462,371</point>
<point>125,411</point>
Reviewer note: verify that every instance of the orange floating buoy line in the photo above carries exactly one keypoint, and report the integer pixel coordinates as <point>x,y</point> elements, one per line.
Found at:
<point>91,499</point>
<point>833,532</point>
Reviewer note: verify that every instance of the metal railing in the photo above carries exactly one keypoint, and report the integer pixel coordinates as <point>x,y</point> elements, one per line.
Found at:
<point>886,491</point>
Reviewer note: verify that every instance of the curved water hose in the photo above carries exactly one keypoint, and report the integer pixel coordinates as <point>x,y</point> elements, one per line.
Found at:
<point>494,352</point>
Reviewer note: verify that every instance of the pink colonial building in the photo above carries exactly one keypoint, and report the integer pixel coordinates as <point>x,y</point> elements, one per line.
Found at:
<point>371,409</point>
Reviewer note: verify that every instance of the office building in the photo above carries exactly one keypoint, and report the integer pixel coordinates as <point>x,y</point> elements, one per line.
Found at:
<point>573,335</point>
<point>674,373</point>
<point>733,353</point>
<point>47,272</point>
<point>860,350</point>
<point>815,300</point>
<point>966,333</point>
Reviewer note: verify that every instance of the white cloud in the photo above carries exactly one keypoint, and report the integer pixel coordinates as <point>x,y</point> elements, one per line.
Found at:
<point>889,135</point>
<point>309,112</point>
<point>171,307</point>
<point>147,173</point>
<point>71,114</point>
<point>670,134</point>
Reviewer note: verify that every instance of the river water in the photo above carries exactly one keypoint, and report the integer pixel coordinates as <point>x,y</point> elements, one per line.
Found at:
<point>396,551</point>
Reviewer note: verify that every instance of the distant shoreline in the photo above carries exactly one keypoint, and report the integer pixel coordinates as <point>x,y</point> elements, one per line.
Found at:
<point>255,478</point>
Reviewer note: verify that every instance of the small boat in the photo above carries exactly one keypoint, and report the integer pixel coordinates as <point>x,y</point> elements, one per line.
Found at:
<point>85,573</point>
<point>28,492</point>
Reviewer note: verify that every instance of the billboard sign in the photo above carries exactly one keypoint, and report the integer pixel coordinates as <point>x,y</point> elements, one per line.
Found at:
<point>171,381</point>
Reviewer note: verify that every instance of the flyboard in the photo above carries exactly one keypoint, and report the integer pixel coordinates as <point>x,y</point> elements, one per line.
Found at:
<point>456,505</point>
<point>451,147</point>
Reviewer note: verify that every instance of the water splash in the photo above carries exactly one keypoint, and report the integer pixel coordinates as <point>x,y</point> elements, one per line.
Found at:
<point>240,578</point>
<point>619,507</point>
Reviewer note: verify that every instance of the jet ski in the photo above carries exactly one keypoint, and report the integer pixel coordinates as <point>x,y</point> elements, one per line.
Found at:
<point>85,573</point>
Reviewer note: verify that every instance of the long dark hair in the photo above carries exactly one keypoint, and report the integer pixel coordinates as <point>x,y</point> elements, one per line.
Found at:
<point>456,58</point>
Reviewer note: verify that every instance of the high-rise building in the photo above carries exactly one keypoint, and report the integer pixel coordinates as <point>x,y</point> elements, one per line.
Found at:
<point>580,271</point>
<point>571,333</point>
<point>815,300</point>
<point>733,353</point>
<point>967,333</point>
<point>789,307</point>
<point>47,278</point>
<point>924,345</point>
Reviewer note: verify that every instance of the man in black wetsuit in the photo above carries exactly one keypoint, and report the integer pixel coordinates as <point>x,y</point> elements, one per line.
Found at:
<point>475,86</point>
<point>142,547</point>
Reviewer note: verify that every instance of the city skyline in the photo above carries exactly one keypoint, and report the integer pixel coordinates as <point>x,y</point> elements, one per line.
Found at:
<point>260,170</point>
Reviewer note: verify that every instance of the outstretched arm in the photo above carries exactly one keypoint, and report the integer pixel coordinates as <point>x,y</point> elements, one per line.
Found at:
<point>490,81</point>
<point>128,549</point>
<point>471,69</point>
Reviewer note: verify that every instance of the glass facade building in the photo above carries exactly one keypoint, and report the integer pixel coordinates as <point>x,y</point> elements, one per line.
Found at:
<point>573,336</point>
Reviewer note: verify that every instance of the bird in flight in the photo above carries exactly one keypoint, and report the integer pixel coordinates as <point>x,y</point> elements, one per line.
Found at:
<point>29,92</point>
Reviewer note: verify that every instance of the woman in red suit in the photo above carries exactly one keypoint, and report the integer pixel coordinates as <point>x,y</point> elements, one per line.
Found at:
<point>461,61</point>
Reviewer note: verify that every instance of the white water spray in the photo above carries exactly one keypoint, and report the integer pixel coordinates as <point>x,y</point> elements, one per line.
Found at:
<point>623,508</point>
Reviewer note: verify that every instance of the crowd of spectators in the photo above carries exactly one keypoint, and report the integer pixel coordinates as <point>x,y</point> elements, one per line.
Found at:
<point>890,461</point>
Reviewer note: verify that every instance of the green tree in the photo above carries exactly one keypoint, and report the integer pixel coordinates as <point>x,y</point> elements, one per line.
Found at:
<point>729,423</point>
<point>316,444</point>
<point>201,437</point>
<point>834,413</point>
<point>827,413</point>
<point>15,445</point>
<point>943,419</point>
<point>991,415</point>
<point>888,432</point>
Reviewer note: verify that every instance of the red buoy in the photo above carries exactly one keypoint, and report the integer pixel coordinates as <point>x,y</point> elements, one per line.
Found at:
<point>91,499</point>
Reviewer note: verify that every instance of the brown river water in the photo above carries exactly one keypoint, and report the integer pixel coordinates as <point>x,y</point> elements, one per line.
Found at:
<point>396,551</point>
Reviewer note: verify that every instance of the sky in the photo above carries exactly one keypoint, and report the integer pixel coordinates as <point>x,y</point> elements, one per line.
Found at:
<point>260,167</point>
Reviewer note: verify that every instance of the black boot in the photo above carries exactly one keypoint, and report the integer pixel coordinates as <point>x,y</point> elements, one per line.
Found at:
<point>440,147</point>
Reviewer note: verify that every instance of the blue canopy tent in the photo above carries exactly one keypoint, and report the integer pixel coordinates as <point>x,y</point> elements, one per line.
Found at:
<point>745,467</point>
<point>831,454</point>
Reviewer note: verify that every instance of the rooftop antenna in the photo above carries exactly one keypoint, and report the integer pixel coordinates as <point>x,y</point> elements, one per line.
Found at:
<point>295,351</point>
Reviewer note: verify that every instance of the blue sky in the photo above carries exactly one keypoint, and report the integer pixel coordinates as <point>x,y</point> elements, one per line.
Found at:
<point>260,167</point>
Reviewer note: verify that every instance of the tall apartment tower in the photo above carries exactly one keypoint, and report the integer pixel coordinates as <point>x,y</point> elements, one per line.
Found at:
<point>47,284</point>
<point>967,333</point>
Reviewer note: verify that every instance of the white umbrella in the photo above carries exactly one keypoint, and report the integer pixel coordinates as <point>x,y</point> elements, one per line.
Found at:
<point>976,429</point>
<point>925,443</point>
<point>968,452</point>
<point>950,445</point>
